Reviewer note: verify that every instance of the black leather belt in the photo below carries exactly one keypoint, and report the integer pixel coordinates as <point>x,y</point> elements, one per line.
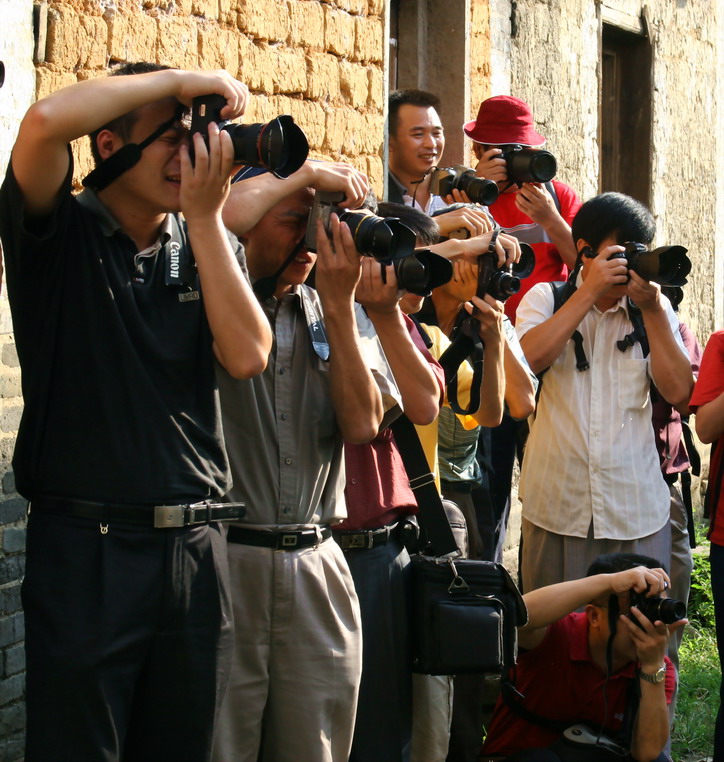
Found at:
<point>294,539</point>
<point>365,539</point>
<point>158,516</point>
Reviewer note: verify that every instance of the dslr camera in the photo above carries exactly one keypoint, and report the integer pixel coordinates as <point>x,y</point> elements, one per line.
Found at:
<point>279,145</point>
<point>480,191</point>
<point>387,239</point>
<point>503,282</point>
<point>667,265</point>
<point>384,238</point>
<point>666,610</point>
<point>528,165</point>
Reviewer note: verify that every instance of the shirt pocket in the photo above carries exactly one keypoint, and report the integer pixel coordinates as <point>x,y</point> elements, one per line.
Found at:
<point>633,384</point>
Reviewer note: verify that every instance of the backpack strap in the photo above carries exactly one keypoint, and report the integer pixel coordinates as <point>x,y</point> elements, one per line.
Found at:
<point>639,330</point>
<point>552,190</point>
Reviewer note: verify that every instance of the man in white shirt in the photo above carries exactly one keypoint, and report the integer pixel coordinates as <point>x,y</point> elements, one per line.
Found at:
<point>590,482</point>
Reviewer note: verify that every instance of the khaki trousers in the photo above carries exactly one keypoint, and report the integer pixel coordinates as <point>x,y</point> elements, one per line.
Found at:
<point>292,693</point>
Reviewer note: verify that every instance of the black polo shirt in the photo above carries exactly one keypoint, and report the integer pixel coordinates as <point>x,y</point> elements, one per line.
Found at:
<point>120,398</point>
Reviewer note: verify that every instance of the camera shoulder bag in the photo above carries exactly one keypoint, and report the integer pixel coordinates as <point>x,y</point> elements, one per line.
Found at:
<point>465,613</point>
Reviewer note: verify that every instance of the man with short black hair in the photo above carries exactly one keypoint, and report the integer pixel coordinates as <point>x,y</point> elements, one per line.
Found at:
<point>119,307</point>
<point>591,481</point>
<point>416,145</point>
<point>605,666</point>
<point>296,667</point>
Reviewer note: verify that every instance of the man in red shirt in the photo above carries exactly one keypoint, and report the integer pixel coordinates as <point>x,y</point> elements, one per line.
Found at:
<point>707,402</point>
<point>536,214</point>
<point>565,675</point>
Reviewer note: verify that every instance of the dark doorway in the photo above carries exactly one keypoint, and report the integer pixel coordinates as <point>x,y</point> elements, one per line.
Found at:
<point>625,123</point>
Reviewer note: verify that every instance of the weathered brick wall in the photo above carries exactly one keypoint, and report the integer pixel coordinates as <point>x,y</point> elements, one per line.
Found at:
<point>479,47</point>
<point>16,53</point>
<point>554,65</point>
<point>321,62</point>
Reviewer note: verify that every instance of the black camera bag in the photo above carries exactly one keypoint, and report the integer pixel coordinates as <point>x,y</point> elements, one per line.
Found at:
<point>464,612</point>
<point>464,616</point>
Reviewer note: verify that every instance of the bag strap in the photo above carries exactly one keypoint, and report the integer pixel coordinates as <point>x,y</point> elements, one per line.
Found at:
<point>432,517</point>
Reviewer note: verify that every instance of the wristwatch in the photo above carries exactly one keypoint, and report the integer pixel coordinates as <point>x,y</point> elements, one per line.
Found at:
<point>656,678</point>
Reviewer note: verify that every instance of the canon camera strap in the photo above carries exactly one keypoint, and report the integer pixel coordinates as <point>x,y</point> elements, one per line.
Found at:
<point>123,159</point>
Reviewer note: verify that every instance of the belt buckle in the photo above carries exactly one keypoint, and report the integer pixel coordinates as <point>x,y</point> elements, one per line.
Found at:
<point>289,541</point>
<point>168,516</point>
<point>354,541</point>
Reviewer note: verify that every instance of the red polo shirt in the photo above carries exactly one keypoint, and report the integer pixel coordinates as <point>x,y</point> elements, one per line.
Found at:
<point>709,386</point>
<point>561,683</point>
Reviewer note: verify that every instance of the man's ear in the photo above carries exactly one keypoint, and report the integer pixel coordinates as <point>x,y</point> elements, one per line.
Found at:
<point>107,143</point>
<point>583,248</point>
<point>594,614</point>
<point>478,150</point>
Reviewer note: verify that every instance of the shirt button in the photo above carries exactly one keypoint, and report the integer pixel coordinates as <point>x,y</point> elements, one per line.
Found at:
<point>283,416</point>
<point>281,371</point>
<point>354,481</point>
<point>288,461</point>
<point>594,434</point>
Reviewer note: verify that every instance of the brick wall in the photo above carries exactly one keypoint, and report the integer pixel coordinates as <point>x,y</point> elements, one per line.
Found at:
<point>320,62</point>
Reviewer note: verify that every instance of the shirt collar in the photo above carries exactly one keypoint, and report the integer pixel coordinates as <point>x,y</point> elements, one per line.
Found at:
<point>90,201</point>
<point>110,225</point>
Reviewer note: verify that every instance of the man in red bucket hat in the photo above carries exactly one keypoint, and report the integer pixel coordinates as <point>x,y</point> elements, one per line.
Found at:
<point>536,213</point>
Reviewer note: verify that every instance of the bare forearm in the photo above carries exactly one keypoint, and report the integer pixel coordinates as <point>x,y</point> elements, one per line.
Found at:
<point>710,420</point>
<point>492,387</point>
<point>79,109</point>
<point>547,605</point>
<point>418,386</point>
<point>670,367</point>
<point>519,387</point>
<point>560,234</point>
<point>355,396</point>
<point>251,199</point>
<point>652,724</point>
<point>242,337</point>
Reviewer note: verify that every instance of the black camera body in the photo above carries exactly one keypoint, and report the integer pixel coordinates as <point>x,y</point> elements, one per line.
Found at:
<point>503,282</point>
<point>656,608</point>
<point>279,145</point>
<point>480,191</point>
<point>528,165</point>
<point>666,265</point>
<point>384,238</point>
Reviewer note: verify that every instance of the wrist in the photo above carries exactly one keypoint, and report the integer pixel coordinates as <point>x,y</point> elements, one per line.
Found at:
<point>653,672</point>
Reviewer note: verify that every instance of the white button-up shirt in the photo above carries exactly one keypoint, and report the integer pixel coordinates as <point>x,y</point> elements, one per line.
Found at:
<point>591,455</point>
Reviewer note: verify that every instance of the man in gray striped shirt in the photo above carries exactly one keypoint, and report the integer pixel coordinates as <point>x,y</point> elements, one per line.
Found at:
<point>591,481</point>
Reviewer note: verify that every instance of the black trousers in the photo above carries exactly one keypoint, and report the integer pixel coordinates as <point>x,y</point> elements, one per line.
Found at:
<point>128,637</point>
<point>384,711</point>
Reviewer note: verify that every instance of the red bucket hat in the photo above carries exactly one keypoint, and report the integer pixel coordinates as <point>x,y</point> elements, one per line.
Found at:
<point>504,119</point>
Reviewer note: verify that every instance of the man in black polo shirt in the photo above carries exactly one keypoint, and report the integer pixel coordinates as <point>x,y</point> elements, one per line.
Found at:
<point>117,322</point>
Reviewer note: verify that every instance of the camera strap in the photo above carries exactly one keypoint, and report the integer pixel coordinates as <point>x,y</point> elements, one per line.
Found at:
<point>123,159</point>
<point>315,325</point>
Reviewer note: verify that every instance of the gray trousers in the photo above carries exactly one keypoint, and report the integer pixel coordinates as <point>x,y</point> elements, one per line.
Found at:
<point>292,692</point>
<point>680,570</point>
<point>548,558</point>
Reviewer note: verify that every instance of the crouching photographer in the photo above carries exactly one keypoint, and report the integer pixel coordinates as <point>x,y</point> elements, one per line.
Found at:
<point>296,663</point>
<point>592,685</point>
